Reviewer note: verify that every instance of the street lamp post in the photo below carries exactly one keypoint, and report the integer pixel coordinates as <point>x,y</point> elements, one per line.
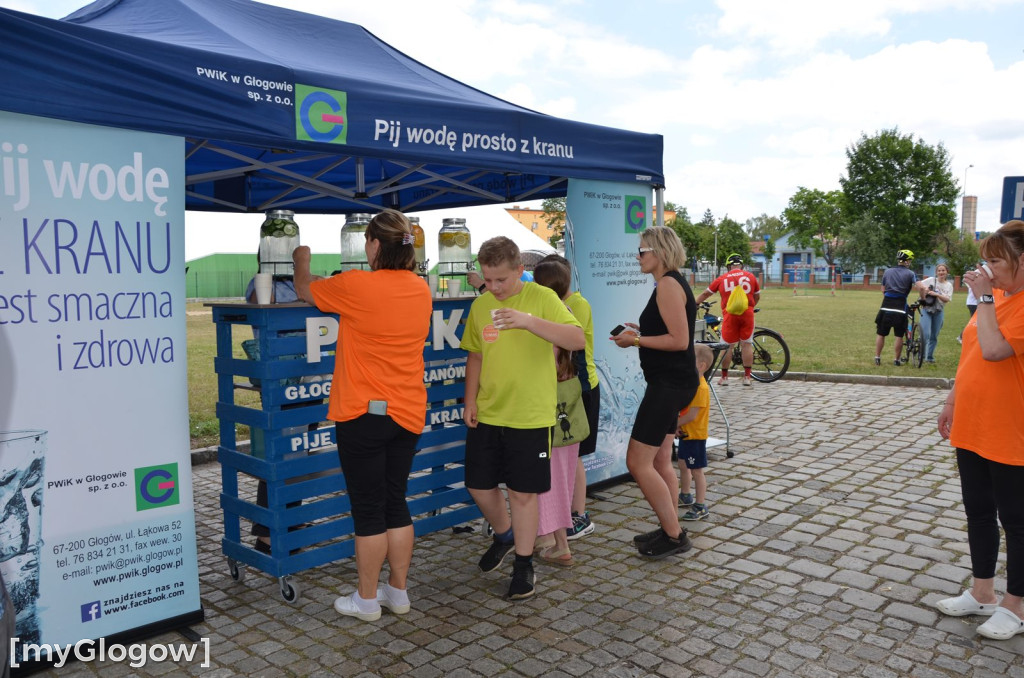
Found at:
<point>716,251</point>
<point>965,179</point>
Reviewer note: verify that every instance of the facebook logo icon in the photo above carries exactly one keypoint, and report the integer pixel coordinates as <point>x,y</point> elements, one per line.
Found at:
<point>91,611</point>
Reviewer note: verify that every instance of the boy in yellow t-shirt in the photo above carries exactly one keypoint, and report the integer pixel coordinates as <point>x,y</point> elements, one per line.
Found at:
<point>511,390</point>
<point>692,442</point>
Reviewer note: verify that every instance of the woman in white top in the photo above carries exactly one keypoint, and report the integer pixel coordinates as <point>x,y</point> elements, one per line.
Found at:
<point>935,294</point>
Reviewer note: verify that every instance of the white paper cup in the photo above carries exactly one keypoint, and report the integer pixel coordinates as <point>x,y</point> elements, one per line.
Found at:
<point>432,282</point>
<point>454,287</point>
<point>264,284</point>
<point>988,271</point>
<point>494,318</point>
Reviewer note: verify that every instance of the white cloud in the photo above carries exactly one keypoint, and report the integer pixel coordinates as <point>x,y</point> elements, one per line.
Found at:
<point>798,25</point>
<point>753,98</point>
<point>703,140</point>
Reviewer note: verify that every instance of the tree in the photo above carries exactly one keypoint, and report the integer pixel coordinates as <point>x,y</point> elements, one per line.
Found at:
<point>554,216</point>
<point>688,233</point>
<point>960,253</point>
<point>732,239</point>
<point>815,220</point>
<point>863,241</point>
<point>769,253</point>
<point>905,187</point>
<point>705,248</point>
<point>769,229</point>
<point>764,225</point>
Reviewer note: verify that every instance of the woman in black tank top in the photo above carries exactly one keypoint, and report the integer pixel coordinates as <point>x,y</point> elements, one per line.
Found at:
<point>665,340</point>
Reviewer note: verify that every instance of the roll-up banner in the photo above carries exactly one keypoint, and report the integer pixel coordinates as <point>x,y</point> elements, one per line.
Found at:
<point>603,225</point>
<point>97,535</point>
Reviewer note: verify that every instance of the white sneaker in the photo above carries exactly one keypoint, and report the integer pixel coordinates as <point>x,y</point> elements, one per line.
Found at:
<point>347,606</point>
<point>723,381</point>
<point>746,381</point>
<point>391,601</point>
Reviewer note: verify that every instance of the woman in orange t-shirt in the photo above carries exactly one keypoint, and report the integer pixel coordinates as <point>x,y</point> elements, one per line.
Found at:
<point>982,419</point>
<point>378,401</point>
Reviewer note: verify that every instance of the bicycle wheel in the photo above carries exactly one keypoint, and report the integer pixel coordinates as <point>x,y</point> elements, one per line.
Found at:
<point>771,356</point>
<point>917,347</point>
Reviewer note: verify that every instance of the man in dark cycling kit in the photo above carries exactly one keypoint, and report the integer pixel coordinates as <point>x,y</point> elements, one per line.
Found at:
<point>897,283</point>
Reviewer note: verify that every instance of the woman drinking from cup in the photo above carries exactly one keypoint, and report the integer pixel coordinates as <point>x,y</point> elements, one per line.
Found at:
<point>982,419</point>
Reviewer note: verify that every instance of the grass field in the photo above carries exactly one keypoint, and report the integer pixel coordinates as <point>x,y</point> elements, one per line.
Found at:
<point>825,333</point>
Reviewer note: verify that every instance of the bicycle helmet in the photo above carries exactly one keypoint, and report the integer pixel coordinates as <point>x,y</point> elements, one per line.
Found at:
<point>904,255</point>
<point>734,259</point>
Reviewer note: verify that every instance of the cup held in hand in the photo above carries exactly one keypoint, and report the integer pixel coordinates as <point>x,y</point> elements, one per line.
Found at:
<point>263,284</point>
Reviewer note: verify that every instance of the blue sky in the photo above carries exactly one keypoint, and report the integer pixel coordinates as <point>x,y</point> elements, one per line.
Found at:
<point>754,99</point>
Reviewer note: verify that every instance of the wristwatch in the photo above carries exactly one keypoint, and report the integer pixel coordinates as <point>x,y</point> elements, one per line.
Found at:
<point>986,299</point>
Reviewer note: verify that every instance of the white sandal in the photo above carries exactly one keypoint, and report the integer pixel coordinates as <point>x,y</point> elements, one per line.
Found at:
<point>1003,625</point>
<point>965,604</point>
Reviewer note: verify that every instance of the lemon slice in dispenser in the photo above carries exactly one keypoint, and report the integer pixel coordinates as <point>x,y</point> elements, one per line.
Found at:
<point>460,239</point>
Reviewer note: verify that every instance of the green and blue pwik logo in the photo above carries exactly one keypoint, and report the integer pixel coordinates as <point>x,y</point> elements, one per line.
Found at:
<point>636,213</point>
<point>156,486</point>
<point>321,115</point>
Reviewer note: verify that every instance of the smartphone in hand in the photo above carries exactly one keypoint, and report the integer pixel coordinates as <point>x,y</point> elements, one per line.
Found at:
<point>618,330</point>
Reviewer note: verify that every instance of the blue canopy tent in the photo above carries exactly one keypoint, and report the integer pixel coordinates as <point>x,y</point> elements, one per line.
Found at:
<point>282,109</point>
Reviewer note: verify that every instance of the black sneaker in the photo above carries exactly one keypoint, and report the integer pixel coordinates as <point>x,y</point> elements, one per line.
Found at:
<point>644,537</point>
<point>664,545</point>
<point>522,581</point>
<point>495,555</point>
<point>581,526</point>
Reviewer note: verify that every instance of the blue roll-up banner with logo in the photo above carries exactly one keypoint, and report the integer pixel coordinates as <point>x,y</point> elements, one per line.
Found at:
<point>604,222</point>
<point>98,533</point>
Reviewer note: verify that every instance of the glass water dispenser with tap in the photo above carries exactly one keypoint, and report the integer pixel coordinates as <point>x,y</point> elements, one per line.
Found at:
<point>279,236</point>
<point>454,255</point>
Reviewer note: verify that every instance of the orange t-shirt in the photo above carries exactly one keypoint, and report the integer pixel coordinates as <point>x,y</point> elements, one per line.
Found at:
<point>384,318</point>
<point>989,396</point>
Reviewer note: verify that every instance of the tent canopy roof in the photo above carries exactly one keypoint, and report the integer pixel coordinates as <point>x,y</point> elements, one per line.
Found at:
<point>287,110</point>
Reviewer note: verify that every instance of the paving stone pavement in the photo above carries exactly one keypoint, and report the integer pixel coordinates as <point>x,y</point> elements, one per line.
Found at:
<point>832,531</point>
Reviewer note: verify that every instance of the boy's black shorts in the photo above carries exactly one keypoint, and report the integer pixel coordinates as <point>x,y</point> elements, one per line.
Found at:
<point>518,457</point>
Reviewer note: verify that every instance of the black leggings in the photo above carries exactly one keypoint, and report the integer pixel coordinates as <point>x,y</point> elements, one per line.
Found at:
<point>376,457</point>
<point>992,490</point>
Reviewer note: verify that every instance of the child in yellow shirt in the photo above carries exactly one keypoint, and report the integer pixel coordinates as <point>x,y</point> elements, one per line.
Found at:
<point>692,440</point>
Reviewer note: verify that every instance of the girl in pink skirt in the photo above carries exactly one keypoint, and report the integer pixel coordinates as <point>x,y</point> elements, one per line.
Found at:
<point>555,505</point>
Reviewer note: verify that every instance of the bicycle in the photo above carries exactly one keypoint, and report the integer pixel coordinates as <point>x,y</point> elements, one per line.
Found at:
<point>771,353</point>
<point>913,339</point>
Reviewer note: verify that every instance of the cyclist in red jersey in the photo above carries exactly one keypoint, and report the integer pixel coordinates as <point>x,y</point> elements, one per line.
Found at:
<point>736,328</point>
